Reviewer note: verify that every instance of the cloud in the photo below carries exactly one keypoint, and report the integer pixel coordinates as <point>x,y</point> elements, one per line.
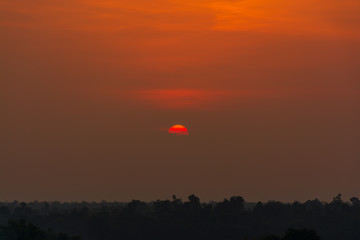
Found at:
<point>279,16</point>
<point>184,99</point>
<point>216,100</point>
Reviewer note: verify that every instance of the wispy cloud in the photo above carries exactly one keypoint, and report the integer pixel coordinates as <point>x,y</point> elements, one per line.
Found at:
<point>184,99</point>
<point>279,16</point>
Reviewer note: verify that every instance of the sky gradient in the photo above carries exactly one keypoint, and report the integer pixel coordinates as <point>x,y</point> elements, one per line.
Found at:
<point>268,90</point>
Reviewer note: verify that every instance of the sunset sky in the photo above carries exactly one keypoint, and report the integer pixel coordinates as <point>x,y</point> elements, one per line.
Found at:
<point>269,92</point>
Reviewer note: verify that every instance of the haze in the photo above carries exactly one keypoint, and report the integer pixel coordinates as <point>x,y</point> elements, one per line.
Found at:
<point>269,91</point>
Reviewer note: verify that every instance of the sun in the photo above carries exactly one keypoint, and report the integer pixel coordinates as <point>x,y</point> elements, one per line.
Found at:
<point>178,130</point>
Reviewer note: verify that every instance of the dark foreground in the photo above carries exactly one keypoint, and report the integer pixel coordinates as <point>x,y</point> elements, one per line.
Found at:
<point>175,219</point>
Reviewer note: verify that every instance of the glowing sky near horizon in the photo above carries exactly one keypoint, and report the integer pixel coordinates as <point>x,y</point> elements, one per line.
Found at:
<point>86,85</point>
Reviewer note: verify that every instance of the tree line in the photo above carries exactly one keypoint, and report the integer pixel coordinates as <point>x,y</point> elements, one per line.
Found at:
<point>174,218</point>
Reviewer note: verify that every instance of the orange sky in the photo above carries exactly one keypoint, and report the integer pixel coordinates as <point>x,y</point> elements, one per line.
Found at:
<point>86,86</point>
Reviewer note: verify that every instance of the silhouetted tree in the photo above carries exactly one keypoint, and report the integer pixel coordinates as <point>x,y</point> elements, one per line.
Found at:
<point>194,201</point>
<point>300,234</point>
<point>355,201</point>
<point>229,219</point>
<point>27,231</point>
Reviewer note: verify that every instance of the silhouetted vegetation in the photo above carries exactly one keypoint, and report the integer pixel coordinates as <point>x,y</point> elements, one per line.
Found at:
<point>174,219</point>
<point>27,231</point>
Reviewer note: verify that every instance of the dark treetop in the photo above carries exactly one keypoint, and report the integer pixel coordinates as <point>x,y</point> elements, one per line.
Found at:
<point>175,219</point>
